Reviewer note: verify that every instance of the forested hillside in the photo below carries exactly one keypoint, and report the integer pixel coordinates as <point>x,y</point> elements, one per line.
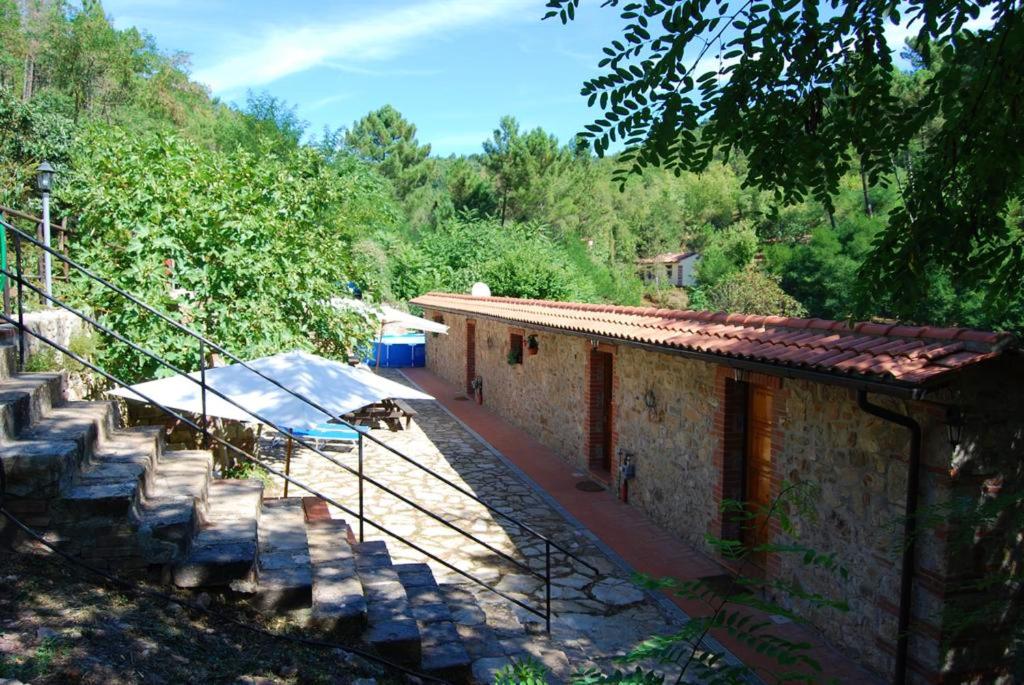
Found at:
<point>243,222</point>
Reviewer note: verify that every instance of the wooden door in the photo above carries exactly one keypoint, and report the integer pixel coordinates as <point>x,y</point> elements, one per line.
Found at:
<point>601,413</point>
<point>470,355</point>
<point>758,468</point>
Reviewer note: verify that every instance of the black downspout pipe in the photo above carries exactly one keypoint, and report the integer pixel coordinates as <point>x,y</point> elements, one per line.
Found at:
<point>909,527</point>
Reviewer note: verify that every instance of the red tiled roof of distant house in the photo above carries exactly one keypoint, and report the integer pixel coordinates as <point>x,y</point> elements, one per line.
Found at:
<point>911,355</point>
<point>666,258</point>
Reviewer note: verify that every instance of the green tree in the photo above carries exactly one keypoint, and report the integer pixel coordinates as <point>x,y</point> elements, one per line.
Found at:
<point>29,133</point>
<point>266,123</point>
<point>520,163</point>
<point>807,94</point>
<point>725,253</point>
<point>750,291</point>
<point>199,237</point>
<point>385,138</point>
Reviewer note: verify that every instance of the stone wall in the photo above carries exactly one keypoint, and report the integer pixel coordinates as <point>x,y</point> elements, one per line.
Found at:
<point>446,354</point>
<point>669,418</point>
<point>181,436</point>
<point>537,395</point>
<point>60,326</point>
<point>672,443</point>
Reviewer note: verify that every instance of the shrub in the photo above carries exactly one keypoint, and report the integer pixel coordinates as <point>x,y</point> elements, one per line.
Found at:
<point>246,248</point>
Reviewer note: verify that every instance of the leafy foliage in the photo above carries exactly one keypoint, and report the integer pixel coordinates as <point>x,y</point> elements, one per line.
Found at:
<point>518,260</point>
<point>29,132</point>
<point>218,241</point>
<point>808,93</point>
<point>527,671</point>
<point>751,291</point>
<point>385,138</point>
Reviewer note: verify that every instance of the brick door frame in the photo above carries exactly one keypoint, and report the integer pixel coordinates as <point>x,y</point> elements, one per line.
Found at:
<point>723,469</point>
<point>470,354</point>
<point>589,413</point>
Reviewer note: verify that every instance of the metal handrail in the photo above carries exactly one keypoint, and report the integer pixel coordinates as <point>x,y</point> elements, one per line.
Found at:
<point>215,346</point>
<point>264,420</point>
<point>249,457</point>
<point>205,342</point>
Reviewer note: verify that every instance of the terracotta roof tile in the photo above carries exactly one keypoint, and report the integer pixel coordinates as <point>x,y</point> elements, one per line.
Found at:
<point>888,352</point>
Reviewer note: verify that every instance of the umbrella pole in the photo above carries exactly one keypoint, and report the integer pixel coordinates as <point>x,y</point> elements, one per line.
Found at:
<point>287,465</point>
<point>380,343</point>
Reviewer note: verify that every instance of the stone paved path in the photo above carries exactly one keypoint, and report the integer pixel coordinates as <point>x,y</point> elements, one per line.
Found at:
<point>599,616</point>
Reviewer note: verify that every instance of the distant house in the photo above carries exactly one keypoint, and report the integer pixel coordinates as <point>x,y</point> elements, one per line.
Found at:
<point>672,268</point>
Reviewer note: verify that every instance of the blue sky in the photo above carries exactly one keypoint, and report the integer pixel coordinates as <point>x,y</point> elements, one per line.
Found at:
<point>452,67</point>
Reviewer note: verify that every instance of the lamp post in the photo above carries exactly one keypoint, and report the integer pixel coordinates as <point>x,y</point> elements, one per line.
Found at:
<point>44,182</point>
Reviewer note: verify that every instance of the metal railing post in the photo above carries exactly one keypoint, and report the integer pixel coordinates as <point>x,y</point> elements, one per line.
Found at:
<point>21,307</point>
<point>206,346</point>
<point>547,586</point>
<point>202,386</point>
<point>361,517</point>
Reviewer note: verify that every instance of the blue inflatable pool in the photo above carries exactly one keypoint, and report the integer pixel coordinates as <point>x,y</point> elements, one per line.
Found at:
<point>397,351</point>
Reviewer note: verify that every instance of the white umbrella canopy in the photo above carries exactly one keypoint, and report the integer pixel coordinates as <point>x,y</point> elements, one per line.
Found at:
<point>389,316</point>
<point>397,317</point>
<point>337,387</point>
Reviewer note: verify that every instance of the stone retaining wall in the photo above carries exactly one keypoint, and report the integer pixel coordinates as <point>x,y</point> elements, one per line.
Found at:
<point>668,414</point>
<point>181,436</point>
<point>60,326</point>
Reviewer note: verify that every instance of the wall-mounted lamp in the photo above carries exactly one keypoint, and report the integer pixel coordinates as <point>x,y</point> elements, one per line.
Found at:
<point>954,425</point>
<point>650,399</point>
<point>594,344</point>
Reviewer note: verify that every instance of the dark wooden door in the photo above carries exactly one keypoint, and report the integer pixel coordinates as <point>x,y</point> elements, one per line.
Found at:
<point>601,412</point>
<point>470,355</point>
<point>758,476</point>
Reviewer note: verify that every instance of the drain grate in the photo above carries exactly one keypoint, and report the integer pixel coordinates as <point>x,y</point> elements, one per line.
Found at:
<point>589,486</point>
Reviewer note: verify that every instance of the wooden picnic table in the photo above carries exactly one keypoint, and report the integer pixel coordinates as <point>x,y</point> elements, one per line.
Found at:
<point>389,412</point>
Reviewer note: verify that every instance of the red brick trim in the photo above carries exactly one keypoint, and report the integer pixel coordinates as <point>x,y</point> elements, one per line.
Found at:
<point>725,475</point>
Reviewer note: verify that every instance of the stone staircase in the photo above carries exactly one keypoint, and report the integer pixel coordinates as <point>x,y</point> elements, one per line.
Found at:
<point>116,498</point>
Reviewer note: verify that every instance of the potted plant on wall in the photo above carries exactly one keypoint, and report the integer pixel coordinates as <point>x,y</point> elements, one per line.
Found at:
<point>532,345</point>
<point>515,356</point>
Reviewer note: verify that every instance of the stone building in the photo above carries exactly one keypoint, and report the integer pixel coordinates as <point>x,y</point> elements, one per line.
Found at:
<point>678,410</point>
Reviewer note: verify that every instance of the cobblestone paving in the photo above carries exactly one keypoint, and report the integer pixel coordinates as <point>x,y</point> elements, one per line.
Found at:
<point>598,616</point>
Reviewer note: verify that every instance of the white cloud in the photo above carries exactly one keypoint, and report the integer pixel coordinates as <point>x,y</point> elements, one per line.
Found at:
<point>280,52</point>
<point>323,102</point>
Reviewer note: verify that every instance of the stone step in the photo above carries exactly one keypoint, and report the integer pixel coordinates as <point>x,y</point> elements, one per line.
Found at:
<point>443,653</point>
<point>38,470</point>
<point>391,628</point>
<point>27,398</point>
<point>141,445</point>
<point>182,473</point>
<point>174,501</point>
<point>118,471</point>
<point>339,604</point>
<point>86,423</point>
<point>284,578</point>
<point>224,549</point>
<point>8,352</point>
